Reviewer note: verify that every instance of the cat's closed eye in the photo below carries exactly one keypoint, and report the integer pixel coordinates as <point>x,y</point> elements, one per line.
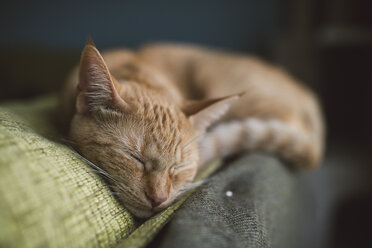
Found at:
<point>172,170</point>
<point>139,162</point>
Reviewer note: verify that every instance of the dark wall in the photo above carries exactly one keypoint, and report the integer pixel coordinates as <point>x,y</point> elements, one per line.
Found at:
<point>241,25</point>
<point>40,41</point>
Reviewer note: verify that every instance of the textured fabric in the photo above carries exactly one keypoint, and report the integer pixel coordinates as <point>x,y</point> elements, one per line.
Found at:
<point>249,203</point>
<point>49,197</point>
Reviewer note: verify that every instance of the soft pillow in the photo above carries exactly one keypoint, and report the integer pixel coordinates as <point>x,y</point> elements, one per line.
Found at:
<point>49,197</point>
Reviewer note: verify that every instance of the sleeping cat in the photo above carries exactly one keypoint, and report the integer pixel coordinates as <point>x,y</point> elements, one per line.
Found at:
<point>151,118</point>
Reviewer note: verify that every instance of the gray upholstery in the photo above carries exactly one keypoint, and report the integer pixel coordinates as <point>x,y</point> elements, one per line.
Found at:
<point>261,212</point>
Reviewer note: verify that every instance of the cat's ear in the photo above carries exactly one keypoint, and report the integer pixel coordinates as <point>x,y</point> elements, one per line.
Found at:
<point>204,113</point>
<point>96,88</point>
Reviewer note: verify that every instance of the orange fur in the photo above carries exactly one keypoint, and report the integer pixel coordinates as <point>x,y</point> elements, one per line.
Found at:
<point>269,94</point>
<point>140,116</point>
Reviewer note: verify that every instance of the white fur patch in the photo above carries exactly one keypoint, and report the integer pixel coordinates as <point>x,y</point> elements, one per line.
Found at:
<point>255,130</point>
<point>253,133</point>
<point>229,134</point>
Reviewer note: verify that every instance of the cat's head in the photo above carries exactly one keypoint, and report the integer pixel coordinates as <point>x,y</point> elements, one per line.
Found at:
<point>147,144</point>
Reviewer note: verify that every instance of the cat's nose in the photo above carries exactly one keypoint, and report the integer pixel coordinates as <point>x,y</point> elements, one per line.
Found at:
<point>156,200</point>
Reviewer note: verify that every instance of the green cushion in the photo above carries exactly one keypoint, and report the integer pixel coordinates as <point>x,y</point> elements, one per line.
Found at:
<point>49,197</point>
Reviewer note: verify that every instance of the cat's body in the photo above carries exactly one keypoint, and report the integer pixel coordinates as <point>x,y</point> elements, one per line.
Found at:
<point>278,113</point>
<point>146,105</point>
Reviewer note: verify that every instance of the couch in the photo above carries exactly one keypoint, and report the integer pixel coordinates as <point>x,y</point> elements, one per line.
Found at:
<point>49,197</point>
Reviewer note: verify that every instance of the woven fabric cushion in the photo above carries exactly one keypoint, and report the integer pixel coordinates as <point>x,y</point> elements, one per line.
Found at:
<point>49,197</point>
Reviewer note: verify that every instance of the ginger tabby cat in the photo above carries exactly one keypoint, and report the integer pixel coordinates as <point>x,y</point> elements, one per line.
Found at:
<point>151,118</point>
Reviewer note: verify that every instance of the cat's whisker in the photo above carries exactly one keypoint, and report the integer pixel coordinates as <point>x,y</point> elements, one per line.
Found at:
<point>192,140</point>
<point>194,185</point>
<point>87,169</point>
<point>181,165</point>
<point>189,187</point>
<point>100,170</point>
<point>94,171</point>
<point>128,194</point>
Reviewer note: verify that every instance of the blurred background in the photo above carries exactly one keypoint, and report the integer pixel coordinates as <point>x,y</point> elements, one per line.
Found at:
<point>325,43</point>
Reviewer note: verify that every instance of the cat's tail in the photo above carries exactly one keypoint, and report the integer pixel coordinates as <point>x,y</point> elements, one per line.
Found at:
<point>301,147</point>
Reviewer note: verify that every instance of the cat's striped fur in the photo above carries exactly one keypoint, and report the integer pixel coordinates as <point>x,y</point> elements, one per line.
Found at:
<point>151,117</point>
<point>276,113</point>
